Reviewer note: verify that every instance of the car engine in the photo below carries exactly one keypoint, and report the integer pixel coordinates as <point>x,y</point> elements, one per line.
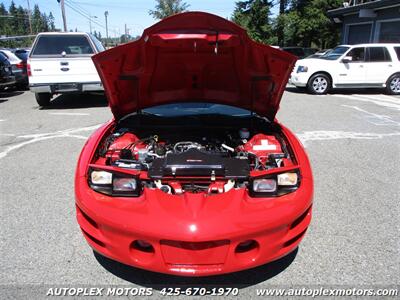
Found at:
<point>177,162</point>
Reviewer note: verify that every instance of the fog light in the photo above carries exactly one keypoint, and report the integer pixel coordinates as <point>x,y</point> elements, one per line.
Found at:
<point>142,245</point>
<point>246,246</point>
<point>264,185</point>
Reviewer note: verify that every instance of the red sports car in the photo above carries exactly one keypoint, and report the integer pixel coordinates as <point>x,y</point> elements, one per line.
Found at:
<point>194,175</point>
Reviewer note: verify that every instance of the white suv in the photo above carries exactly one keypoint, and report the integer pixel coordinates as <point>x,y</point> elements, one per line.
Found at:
<point>355,66</point>
<point>62,63</point>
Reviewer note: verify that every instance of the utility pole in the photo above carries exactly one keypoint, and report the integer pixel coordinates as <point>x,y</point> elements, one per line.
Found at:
<point>106,15</point>
<point>29,17</point>
<point>63,13</point>
<point>90,21</point>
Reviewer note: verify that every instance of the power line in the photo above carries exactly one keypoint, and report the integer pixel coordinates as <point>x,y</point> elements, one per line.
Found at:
<point>79,7</point>
<point>83,15</point>
<point>81,12</point>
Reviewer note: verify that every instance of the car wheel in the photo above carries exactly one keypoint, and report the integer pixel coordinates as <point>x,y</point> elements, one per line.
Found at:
<point>43,99</point>
<point>393,85</point>
<point>319,84</point>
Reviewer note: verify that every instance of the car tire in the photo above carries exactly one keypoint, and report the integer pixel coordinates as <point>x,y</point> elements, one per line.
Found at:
<point>393,85</point>
<point>43,99</point>
<point>319,84</point>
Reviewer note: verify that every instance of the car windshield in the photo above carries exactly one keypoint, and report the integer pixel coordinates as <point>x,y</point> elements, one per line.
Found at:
<point>335,53</point>
<point>195,108</point>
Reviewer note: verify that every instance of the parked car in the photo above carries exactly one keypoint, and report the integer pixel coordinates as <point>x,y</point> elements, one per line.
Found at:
<point>17,66</point>
<point>23,55</point>
<point>7,79</point>
<point>299,51</point>
<point>355,66</point>
<point>61,63</point>
<point>319,53</point>
<point>194,176</point>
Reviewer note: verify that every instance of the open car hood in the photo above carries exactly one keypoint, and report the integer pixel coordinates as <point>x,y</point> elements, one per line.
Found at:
<point>194,57</point>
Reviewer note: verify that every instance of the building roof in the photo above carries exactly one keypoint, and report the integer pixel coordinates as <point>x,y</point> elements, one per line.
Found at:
<point>377,4</point>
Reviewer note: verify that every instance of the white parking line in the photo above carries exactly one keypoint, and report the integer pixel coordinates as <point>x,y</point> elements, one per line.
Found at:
<point>381,97</point>
<point>374,118</point>
<point>69,114</point>
<point>394,98</point>
<point>46,136</point>
<point>322,135</point>
<point>376,101</point>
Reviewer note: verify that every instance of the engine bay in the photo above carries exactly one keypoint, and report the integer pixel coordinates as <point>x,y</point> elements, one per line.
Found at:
<point>212,159</point>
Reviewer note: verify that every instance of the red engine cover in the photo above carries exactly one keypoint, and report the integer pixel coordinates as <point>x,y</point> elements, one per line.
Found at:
<point>121,142</point>
<point>263,145</point>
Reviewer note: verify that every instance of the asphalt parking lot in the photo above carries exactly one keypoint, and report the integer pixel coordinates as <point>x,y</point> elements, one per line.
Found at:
<point>353,141</point>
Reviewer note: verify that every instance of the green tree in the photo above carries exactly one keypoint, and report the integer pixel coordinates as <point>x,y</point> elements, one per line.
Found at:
<point>306,23</point>
<point>13,20</point>
<point>22,21</point>
<point>166,8</point>
<point>125,38</point>
<point>50,20</point>
<point>280,22</point>
<point>4,20</point>
<point>37,20</point>
<point>254,16</point>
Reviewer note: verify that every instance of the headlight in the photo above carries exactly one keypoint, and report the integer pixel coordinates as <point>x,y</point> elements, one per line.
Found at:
<point>274,184</point>
<point>101,177</point>
<point>301,69</point>
<point>264,185</point>
<point>124,184</point>
<point>287,179</point>
<point>113,184</point>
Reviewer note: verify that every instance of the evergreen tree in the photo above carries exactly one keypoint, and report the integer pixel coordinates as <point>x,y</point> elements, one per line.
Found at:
<point>166,8</point>
<point>50,20</point>
<point>16,22</point>
<point>254,16</point>
<point>280,22</point>
<point>22,21</point>
<point>13,20</point>
<point>4,25</point>
<point>37,20</point>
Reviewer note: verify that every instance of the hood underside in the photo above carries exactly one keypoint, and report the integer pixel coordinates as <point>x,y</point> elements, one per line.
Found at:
<point>194,57</point>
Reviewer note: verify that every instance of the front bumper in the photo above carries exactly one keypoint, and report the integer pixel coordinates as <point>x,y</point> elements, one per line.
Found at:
<point>67,87</point>
<point>194,234</point>
<point>299,79</point>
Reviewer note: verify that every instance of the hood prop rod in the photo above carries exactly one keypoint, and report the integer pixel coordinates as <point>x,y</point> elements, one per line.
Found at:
<point>216,43</point>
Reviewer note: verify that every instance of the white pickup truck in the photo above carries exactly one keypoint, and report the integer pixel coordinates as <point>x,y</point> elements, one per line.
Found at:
<point>61,63</point>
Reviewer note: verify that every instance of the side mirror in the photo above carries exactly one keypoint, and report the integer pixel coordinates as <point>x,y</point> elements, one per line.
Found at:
<point>347,59</point>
